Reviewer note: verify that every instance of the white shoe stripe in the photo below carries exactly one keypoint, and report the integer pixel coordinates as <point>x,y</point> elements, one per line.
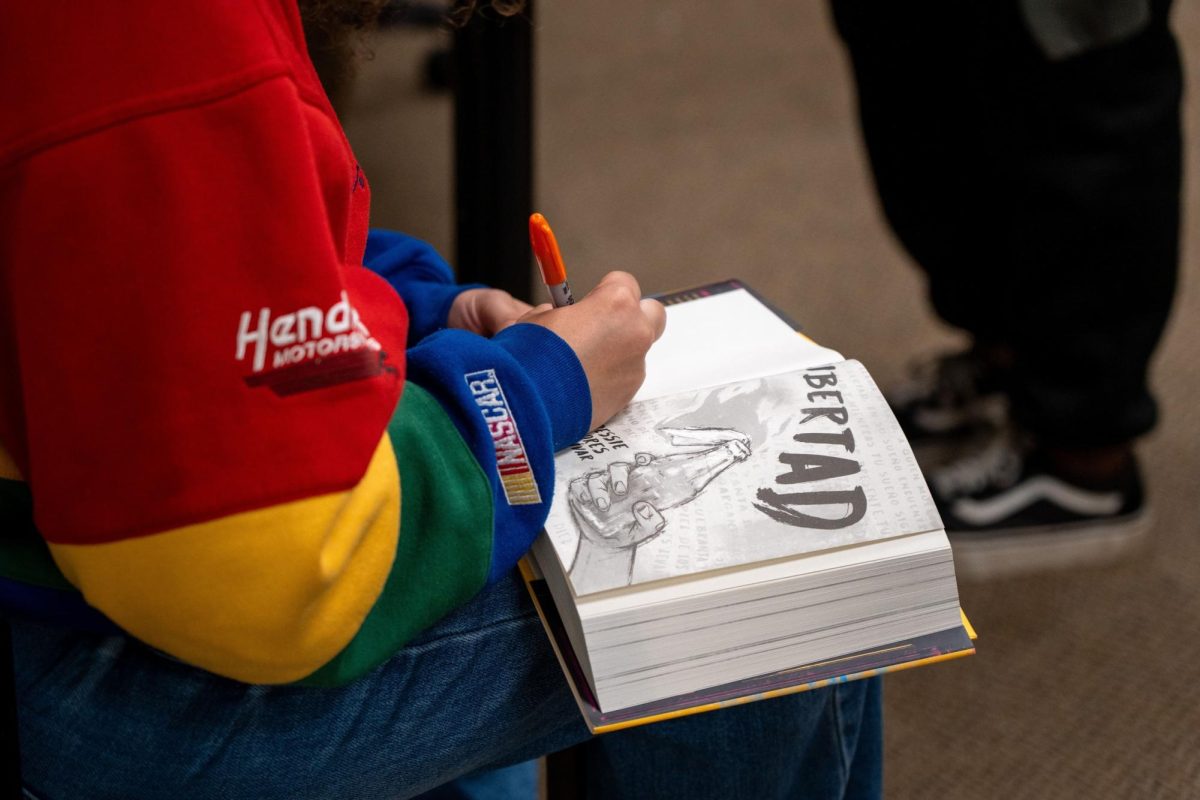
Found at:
<point>1023,495</point>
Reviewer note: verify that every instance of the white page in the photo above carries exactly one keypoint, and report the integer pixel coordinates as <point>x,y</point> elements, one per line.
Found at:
<point>725,338</point>
<point>720,466</point>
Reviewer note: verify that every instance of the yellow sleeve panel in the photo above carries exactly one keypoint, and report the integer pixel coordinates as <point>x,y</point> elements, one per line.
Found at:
<point>264,596</point>
<point>8,467</point>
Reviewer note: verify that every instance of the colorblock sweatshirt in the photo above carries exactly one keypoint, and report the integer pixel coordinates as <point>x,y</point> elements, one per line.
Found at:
<point>230,422</point>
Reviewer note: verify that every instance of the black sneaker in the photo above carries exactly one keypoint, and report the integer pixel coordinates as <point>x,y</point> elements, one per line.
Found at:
<point>949,399</point>
<point>1007,513</point>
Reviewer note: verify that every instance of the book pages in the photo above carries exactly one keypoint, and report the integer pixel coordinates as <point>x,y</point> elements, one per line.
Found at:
<point>734,474</point>
<point>724,338</point>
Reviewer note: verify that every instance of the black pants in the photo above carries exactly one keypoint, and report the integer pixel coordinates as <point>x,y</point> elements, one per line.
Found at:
<point>1039,193</point>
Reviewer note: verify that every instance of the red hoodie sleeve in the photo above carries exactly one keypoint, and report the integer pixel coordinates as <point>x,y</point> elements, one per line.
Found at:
<point>203,387</point>
<point>236,514</point>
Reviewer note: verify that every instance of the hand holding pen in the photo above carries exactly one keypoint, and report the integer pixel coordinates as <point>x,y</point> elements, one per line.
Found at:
<point>610,330</point>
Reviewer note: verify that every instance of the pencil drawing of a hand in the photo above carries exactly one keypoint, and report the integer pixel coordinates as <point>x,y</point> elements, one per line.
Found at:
<point>618,508</point>
<point>627,520</point>
<point>612,522</point>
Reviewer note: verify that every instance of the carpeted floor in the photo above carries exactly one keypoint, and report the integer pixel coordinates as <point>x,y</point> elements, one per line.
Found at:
<point>688,142</point>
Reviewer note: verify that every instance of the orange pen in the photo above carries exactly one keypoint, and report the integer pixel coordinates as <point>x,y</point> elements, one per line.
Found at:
<point>545,250</point>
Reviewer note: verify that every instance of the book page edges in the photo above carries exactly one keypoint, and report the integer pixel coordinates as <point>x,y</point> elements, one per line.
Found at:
<point>767,695</point>
<point>529,574</point>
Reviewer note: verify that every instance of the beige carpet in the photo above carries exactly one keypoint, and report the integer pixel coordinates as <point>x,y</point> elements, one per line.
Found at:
<point>688,142</point>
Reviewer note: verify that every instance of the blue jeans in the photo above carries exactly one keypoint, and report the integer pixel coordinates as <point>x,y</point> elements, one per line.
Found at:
<point>109,718</point>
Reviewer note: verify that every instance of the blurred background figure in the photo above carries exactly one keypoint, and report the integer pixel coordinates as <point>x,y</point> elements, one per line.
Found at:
<point>1027,155</point>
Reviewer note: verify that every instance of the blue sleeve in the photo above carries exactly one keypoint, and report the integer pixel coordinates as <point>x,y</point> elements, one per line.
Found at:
<point>419,275</point>
<point>516,399</point>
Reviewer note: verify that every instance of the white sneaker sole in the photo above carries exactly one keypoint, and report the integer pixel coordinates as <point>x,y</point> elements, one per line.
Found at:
<point>1023,551</point>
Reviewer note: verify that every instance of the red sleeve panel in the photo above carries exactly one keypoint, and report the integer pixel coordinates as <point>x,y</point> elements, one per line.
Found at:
<point>199,380</point>
<point>72,66</point>
<point>174,312</point>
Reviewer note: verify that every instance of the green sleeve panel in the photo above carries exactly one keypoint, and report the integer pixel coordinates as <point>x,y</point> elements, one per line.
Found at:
<point>442,556</point>
<point>24,555</point>
<point>445,545</point>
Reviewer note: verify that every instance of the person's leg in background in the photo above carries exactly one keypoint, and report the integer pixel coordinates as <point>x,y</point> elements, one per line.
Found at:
<point>106,717</point>
<point>1028,157</point>
<point>934,117</point>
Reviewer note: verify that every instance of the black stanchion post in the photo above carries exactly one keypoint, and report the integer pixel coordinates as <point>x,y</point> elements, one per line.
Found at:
<point>493,149</point>
<point>10,750</point>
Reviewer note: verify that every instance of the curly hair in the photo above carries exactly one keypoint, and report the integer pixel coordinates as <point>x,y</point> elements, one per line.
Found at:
<point>339,18</point>
<point>334,31</point>
<point>462,10</point>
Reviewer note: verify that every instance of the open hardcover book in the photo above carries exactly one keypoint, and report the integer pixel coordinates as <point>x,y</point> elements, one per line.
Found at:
<point>753,523</point>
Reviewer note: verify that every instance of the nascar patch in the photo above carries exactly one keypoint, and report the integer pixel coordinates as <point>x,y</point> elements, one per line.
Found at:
<point>512,463</point>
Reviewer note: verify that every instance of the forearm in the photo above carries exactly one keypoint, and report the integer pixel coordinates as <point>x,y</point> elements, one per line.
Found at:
<point>597,567</point>
<point>419,275</point>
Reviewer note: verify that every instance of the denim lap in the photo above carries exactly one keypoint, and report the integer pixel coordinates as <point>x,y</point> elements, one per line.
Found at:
<point>108,717</point>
